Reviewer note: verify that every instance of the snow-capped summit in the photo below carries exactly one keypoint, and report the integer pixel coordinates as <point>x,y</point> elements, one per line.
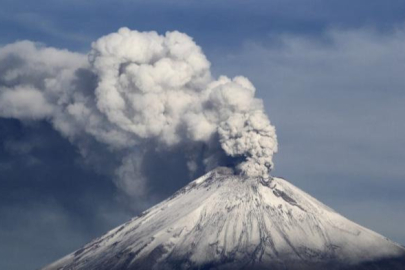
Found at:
<point>227,221</point>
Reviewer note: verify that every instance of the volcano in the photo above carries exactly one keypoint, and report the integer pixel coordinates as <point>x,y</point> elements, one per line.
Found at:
<point>227,221</point>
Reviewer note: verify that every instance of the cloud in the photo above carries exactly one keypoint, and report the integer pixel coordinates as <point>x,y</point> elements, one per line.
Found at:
<point>24,103</point>
<point>140,92</point>
<point>41,23</point>
<point>130,176</point>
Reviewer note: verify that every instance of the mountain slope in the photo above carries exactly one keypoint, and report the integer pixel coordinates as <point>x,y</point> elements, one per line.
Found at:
<point>224,221</point>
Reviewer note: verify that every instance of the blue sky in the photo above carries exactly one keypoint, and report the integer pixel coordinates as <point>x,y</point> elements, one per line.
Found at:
<point>330,74</point>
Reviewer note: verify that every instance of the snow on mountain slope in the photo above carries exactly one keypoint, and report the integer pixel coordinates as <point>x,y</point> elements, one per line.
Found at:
<point>225,221</point>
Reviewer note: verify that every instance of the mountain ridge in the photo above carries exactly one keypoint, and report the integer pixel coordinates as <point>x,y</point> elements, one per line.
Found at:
<point>227,221</point>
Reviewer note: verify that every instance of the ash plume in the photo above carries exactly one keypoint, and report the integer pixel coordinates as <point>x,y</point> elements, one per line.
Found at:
<point>136,92</point>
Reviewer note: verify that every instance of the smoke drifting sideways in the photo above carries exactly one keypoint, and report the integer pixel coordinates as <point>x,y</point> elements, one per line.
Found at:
<point>137,92</point>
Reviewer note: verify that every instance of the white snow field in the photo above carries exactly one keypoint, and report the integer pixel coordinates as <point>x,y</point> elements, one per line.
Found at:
<point>227,221</point>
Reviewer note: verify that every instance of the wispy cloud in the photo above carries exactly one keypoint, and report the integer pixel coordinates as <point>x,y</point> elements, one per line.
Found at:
<point>37,22</point>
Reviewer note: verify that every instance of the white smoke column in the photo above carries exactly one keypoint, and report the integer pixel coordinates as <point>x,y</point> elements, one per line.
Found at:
<point>243,127</point>
<point>138,88</point>
<point>161,86</point>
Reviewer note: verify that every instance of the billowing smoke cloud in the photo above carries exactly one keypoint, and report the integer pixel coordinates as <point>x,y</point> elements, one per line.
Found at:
<point>137,92</point>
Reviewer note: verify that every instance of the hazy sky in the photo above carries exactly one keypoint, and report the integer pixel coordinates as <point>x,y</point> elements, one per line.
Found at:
<point>331,77</point>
